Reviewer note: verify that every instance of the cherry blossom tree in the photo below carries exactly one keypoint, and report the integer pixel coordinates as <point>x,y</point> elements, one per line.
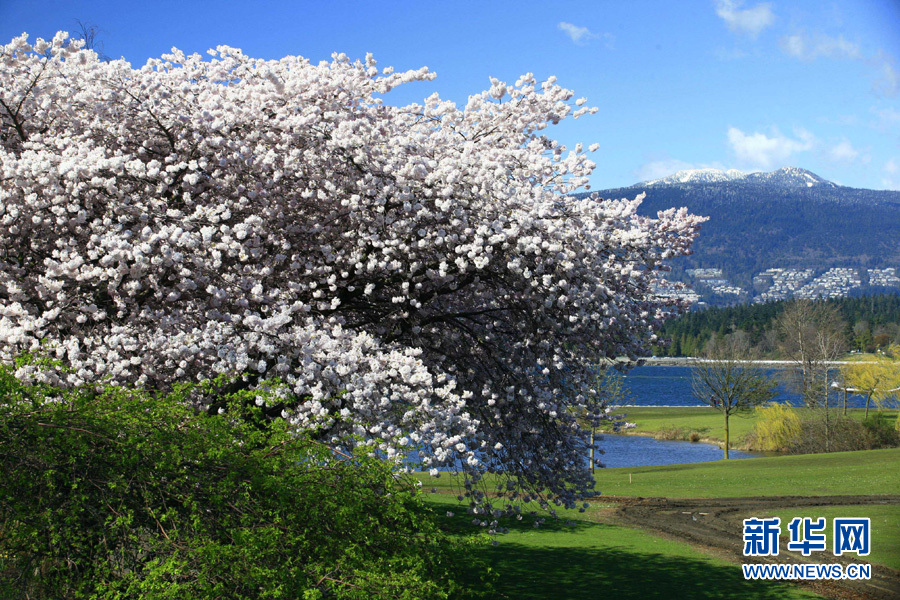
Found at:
<point>415,278</point>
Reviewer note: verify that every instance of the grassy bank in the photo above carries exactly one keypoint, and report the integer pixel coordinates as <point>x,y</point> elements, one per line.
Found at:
<point>838,473</point>
<point>834,474</point>
<point>597,555</point>
<point>592,558</point>
<point>680,422</point>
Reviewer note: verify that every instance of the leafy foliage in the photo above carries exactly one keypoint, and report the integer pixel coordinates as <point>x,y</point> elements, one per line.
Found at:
<point>780,428</point>
<point>110,492</point>
<point>876,377</point>
<point>777,426</point>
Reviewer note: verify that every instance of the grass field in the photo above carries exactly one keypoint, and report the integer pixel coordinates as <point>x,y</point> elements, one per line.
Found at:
<point>598,557</point>
<point>593,559</point>
<point>709,423</point>
<point>838,473</point>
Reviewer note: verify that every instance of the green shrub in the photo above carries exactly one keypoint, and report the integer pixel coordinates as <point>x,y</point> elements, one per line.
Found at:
<point>776,429</point>
<point>838,434</point>
<point>111,493</point>
<point>881,432</point>
<point>780,428</point>
<point>684,434</point>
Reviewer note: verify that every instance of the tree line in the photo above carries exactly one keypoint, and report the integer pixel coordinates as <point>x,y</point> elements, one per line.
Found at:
<point>868,324</point>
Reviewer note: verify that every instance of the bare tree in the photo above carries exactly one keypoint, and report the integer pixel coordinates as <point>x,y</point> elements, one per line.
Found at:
<point>813,337</point>
<point>729,380</point>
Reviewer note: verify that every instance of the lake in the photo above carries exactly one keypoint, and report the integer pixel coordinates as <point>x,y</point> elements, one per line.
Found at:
<point>655,385</point>
<point>643,451</point>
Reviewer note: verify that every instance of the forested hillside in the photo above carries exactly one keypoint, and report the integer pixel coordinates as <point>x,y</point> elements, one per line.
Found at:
<point>871,323</point>
<point>757,223</point>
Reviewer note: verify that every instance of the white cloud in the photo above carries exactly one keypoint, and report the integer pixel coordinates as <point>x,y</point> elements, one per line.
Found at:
<point>887,118</point>
<point>843,152</point>
<point>578,34</point>
<point>887,82</point>
<point>760,150</point>
<point>810,47</point>
<point>658,169</point>
<point>891,171</point>
<point>749,21</point>
<point>805,47</point>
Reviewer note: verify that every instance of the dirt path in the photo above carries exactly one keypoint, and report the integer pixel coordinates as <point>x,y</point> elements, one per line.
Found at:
<point>717,524</point>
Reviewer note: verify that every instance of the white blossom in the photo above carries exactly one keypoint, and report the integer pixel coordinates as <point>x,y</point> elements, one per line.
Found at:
<point>417,277</point>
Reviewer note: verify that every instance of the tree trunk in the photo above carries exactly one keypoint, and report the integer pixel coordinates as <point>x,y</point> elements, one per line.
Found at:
<point>592,450</point>
<point>827,429</point>
<point>868,397</point>
<point>726,436</point>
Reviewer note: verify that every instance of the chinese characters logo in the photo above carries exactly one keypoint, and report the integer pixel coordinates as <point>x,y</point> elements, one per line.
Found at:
<point>807,535</point>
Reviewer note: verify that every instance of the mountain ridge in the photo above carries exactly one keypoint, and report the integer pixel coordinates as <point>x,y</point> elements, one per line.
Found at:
<point>785,177</point>
<point>787,218</point>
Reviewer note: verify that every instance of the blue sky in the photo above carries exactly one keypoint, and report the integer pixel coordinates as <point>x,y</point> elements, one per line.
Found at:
<point>696,83</point>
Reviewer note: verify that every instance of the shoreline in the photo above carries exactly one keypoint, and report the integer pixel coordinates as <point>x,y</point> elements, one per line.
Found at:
<point>703,440</point>
<point>684,361</point>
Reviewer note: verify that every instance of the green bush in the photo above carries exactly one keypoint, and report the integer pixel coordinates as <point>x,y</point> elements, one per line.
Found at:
<point>839,434</point>
<point>111,493</point>
<point>684,434</point>
<point>781,428</point>
<point>881,432</point>
<point>777,427</point>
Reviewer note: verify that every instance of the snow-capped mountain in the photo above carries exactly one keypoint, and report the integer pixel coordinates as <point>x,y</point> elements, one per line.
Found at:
<point>786,218</point>
<point>697,176</point>
<point>790,177</point>
<point>787,177</point>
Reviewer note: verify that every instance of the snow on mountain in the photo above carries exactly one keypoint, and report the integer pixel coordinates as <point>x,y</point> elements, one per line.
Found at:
<point>698,176</point>
<point>788,177</point>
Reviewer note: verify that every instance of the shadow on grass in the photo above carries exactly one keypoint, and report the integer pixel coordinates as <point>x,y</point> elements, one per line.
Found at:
<point>591,560</point>
<point>574,573</point>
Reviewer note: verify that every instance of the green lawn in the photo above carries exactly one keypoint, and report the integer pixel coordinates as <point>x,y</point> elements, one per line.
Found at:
<point>709,423</point>
<point>592,559</point>
<point>838,473</point>
<point>598,560</point>
<point>885,523</point>
<point>706,421</point>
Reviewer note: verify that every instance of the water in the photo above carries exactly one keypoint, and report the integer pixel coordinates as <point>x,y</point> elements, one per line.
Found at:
<point>643,451</point>
<point>671,386</point>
